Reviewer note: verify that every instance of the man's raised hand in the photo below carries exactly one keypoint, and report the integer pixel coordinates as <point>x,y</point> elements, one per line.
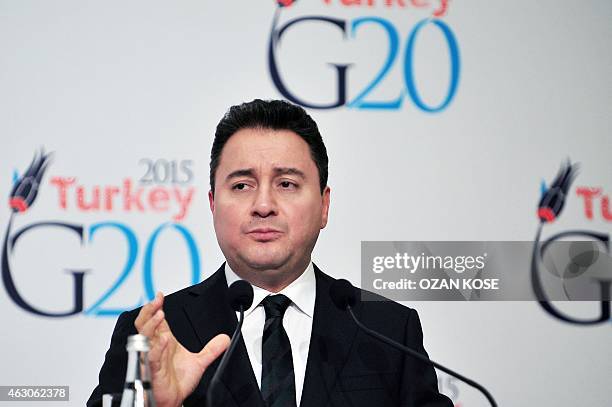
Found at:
<point>175,372</point>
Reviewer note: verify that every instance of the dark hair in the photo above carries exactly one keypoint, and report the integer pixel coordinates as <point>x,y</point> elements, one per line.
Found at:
<point>275,115</point>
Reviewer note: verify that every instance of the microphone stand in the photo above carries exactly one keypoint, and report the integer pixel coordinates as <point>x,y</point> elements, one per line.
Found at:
<point>224,360</point>
<point>417,355</point>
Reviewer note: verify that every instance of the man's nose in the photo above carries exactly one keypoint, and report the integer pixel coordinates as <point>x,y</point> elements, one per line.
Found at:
<point>265,203</point>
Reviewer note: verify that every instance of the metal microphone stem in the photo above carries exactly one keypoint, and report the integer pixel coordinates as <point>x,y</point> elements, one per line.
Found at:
<point>421,357</point>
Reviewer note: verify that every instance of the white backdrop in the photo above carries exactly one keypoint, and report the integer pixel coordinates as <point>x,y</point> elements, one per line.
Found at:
<point>108,85</point>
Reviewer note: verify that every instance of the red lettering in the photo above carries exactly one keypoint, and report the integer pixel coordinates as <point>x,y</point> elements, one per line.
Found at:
<point>419,3</point>
<point>605,208</point>
<point>63,184</point>
<point>588,194</point>
<point>183,201</point>
<point>158,199</point>
<point>95,199</point>
<point>129,196</point>
<point>130,199</point>
<point>439,12</point>
<point>109,193</point>
<point>442,10</point>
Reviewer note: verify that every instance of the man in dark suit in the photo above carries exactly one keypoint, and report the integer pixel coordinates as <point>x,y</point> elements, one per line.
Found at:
<point>269,198</point>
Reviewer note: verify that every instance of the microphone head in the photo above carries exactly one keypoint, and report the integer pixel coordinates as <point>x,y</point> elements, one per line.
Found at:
<point>240,294</point>
<point>343,294</point>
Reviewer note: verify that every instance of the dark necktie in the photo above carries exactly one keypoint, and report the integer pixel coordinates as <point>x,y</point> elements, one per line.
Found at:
<point>277,377</point>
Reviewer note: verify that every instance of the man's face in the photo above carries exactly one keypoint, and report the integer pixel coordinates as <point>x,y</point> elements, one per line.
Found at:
<point>267,207</point>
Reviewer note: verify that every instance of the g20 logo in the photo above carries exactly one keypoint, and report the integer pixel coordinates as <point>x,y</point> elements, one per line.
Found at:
<point>98,306</point>
<point>363,99</point>
<point>22,197</point>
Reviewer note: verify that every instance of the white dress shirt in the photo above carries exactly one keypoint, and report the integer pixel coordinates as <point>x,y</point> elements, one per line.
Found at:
<point>297,322</point>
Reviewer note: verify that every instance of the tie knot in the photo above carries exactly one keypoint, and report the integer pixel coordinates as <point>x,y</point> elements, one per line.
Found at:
<point>275,305</point>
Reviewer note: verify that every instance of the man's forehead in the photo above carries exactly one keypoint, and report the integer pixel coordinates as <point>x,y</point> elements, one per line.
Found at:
<point>266,150</point>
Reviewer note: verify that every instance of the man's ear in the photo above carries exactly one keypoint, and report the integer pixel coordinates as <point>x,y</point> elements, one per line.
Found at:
<point>211,201</point>
<point>325,206</point>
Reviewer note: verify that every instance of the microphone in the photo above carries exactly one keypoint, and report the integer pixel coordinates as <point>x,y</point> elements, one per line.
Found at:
<point>240,294</point>
<point>344,296</point>
<point>240,298</point>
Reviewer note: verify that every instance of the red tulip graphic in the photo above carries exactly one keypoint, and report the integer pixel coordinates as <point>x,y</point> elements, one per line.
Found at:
<point>553,199</point>
<point>26,188</point>
<point>285,3</point>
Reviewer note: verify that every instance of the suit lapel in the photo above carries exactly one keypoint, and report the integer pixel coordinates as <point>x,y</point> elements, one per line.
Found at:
<point>210,314</point>
<point>333,333</point>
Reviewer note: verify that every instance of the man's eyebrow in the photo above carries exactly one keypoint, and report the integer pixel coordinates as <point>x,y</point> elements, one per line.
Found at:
<point>289,171</point>
<point>243,172</point>
<point>250,172</point>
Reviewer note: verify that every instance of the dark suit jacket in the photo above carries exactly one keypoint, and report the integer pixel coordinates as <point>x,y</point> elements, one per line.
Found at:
<point>345,368</point>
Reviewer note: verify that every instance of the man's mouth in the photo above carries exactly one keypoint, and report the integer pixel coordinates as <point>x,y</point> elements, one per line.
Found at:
<point>264,234</point>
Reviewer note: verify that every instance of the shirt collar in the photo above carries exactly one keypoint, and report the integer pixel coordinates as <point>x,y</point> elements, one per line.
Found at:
<point>301,291</point>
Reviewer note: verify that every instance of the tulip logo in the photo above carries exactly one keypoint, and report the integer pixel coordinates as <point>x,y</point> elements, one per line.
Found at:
<point>553,198</point>
<point>22,198</point>
<point>26,188</point>
<point>285,3</point>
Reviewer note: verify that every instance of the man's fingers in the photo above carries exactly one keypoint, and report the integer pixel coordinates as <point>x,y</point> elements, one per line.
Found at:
<point>215,347</point>
<point>157,353</point>
<point>147,311</point>
<point>150,326</point>
<point>164,327</point>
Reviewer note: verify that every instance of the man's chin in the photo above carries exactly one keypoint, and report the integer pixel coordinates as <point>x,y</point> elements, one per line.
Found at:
<point>265,265</point>
<point>245,256</point>
<point>272,273</point>
<point>269,262</point>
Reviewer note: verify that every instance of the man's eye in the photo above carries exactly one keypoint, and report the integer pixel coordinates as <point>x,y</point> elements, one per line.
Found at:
<point>240,186</point>
<point>288,185</point>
